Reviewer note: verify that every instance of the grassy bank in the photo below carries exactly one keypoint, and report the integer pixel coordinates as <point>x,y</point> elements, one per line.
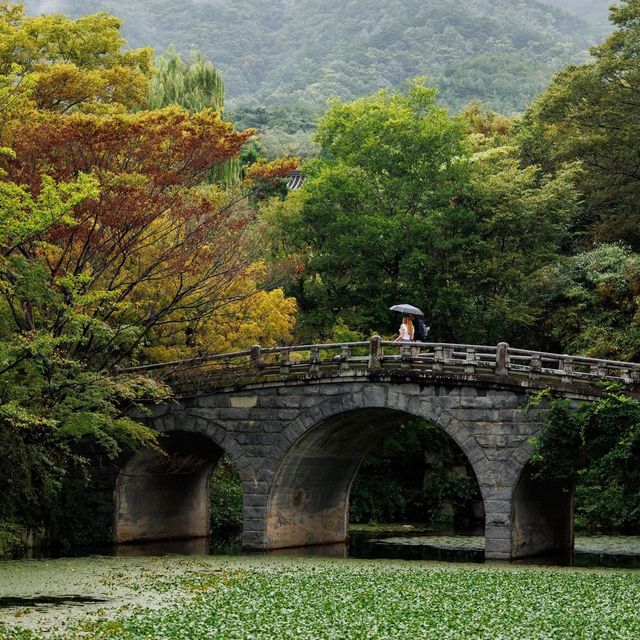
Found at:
<point>278,598</point>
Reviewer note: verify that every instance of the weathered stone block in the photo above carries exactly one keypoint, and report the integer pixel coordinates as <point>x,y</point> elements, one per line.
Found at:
<point>253,524</point>
<point>497,507</point>
<point>243,402</point>
<point>469,392</point>
<point>497,532</point>
<point>254,500</point>
<point>498,493</point>
<point>448,402</point>
<point>495,546</point>
<point>254,513</point>
<point>253,540</point>
<point>212,402</point>
<point>209,414</point>
<point>288,414</point>
<point>376,396</point>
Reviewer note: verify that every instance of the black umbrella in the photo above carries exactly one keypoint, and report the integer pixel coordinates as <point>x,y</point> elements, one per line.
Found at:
<point>407,309</point>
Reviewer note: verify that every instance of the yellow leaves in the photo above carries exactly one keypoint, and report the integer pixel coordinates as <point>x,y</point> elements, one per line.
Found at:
<point>76,63</point>
<point>250,316</point>
<point>63,86</point>
<point>263,171</point>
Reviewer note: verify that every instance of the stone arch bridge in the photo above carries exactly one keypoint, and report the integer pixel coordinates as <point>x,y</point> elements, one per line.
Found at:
<point>297,421</point>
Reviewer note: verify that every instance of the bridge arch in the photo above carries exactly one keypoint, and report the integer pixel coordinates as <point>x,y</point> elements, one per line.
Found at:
<point>308,501</point>
<point>165,495</point>
<point>542,515</point>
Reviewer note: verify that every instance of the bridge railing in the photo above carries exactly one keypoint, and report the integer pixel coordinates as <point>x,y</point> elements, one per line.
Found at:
<point>378,355</point>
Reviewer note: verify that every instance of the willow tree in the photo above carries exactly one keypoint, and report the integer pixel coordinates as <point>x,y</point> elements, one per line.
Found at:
<point>194,85</point>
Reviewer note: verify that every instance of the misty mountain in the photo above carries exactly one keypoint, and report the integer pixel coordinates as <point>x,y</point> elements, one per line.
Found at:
<point>282,52</point>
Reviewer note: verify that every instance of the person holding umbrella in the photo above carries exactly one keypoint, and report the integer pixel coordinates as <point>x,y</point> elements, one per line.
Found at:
<point>406,331</point>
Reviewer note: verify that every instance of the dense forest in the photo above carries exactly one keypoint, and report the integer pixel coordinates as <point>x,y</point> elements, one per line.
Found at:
<point>281,60</point>
<point>138,225</point>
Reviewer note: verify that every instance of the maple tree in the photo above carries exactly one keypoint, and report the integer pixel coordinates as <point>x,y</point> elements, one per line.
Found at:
<point>112,243</point>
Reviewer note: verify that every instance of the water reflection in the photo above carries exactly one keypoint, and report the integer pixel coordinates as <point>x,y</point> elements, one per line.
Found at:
<point>415,545</point>
<point>401,542</point>
<point>193,547</point>
<point>41,603</point>
<point>336,550</point>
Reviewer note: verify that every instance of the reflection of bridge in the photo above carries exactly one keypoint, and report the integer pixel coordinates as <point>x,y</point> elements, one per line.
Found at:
<point>297,422</point>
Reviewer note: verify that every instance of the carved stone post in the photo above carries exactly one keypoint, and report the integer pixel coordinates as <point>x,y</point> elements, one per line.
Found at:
<point>256,356</point>
<point>375,352</point>
<point>502,359</point>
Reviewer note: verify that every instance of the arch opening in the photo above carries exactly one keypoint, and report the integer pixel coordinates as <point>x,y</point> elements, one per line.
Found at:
<point>541,516</point>
<point>165,496</point>
<point>309,500</point>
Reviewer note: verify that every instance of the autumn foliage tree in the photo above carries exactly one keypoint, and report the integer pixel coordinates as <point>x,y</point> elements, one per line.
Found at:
<point>111,244</point>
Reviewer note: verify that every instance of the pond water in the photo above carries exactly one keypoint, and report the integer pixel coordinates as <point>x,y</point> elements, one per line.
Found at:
<point>403,542</point>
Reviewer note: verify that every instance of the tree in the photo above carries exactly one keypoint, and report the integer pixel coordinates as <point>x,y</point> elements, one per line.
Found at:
<point>70,64</point>
<point>110,242</point>
<point>408,203</point>
<point>596,447</point>
<point>152,220</point>
<point>194,85</point>
<point>589,113</point>
<point>591,303</point>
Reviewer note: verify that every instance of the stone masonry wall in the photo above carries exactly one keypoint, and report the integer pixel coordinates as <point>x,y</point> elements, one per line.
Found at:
<point>275,434</point>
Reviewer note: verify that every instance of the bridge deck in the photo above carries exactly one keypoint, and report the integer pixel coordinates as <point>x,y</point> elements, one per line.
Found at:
<point>302,362</point>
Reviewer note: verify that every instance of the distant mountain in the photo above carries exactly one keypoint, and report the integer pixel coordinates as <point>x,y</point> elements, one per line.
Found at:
<point>596,12</point>
<point>286,51</point>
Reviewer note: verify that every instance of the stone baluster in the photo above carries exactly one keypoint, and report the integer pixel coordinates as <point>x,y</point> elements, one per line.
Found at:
<point>535,365</point>
<point>566,364</point>
<point>625,374</point>
<point>314,360</point>
<point>375,352</point>
<point>345,354</point>
<point>470,362</point>
<point>285,362</point>
<point>502,359</point>
<point>438,358</point>
<point>256,356</point>
<point>405,356</point>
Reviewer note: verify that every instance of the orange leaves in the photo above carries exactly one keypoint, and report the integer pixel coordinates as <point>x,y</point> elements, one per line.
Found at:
<point>269,173</point>
<point>169,146</point>
<point>152,215</point>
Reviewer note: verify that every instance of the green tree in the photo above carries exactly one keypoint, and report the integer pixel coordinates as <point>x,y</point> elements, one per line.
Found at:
<point>378,205</point>
<point>589,114</point>
<point>195,85</point>
<point>409,203</point>
<point>592,303</point>
<point>597,447</point>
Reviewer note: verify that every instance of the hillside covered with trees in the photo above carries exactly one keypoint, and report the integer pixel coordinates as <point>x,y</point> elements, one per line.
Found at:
<point>296,55</point>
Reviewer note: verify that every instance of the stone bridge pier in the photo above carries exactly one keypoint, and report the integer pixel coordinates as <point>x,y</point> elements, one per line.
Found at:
<point>298,445</point>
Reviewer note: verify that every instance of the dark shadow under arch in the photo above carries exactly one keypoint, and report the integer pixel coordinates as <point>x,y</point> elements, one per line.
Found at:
<point>541,516</point>
<point>166,496</point>
<point>308,503</point>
